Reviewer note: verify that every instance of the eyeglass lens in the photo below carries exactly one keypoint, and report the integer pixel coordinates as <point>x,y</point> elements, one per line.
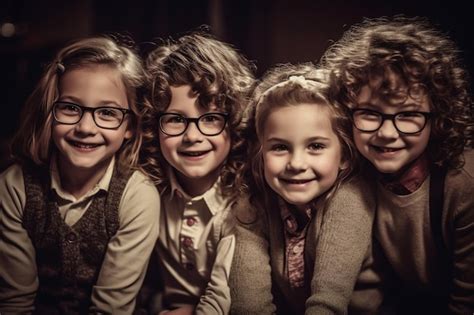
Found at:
<point>208,124</point>
<point>104,117</point>
<point>405,122</point>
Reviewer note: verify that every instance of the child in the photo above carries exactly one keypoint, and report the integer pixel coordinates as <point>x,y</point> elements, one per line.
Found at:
<point>198,86</point>
<point>412,119</point>
<point>315,223</point>
<point>77,222</point>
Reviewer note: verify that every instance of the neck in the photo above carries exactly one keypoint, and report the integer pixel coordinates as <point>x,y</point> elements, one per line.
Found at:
<point>78,182</point>
<point>197,186</point>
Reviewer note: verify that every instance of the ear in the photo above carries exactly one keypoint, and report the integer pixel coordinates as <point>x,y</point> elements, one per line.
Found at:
<point>343,165</point>
<point>129,132</point>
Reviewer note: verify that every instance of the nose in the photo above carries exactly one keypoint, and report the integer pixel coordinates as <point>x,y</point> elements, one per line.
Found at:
<point>297,162</point>
<point>387,130</point>
<point>192,133</point>
<point>87,124</point>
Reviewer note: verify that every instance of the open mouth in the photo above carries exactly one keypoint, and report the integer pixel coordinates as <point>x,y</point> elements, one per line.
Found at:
<point>194,153</point>
<point>82,145</point>
<point>385,150</point>
<point>296,181</point>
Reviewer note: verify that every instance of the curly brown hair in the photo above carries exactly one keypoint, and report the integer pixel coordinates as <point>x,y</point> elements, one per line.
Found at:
<point>279,88</point>
<point>218,74</point>
<point>420,55</point>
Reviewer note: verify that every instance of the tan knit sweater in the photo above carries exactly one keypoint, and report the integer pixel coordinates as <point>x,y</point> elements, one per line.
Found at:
<point>337,259</point>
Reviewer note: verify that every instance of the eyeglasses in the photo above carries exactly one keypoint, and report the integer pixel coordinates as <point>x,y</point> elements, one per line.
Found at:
<point>405,122</point>
<point>105,117</point>
<point>209,124</point>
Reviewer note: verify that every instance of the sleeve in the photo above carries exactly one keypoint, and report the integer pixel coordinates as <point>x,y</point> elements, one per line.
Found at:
<point>128,252</point>
<point>460,202</point>
<point>250,278</point>
<point>341,248</point>
<point>216,298</point>
<point>18,275</point>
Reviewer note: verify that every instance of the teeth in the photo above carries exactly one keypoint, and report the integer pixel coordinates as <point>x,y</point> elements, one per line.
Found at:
<point>84,146</point>
<point>197,153</point>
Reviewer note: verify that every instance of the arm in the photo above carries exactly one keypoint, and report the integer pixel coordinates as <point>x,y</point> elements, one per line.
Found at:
<point>18,276</point>
<point>216,298</point>
<point>128,252</point>
<point>460,232</point>
<point>250,278</point>
<point>343,243</point>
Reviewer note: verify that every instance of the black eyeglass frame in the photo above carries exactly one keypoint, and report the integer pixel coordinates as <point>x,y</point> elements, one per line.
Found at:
<point>92,110</point>
<point>194,120</point>
<point>391,117</point>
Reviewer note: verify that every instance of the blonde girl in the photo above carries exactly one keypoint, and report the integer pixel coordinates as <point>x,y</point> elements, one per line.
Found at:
<point>306,225</point>
<point>77,221</point>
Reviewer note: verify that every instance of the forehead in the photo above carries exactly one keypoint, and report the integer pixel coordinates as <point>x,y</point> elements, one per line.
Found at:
<point>392,92</point>
<point>183,98</point>
<point>302,120</point>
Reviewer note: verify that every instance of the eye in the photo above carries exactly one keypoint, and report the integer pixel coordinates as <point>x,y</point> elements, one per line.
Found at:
<point>409,115</point>
<point>279,147</point>
<point>68,108</point>
<point>316,146</point>
<point>173,119</point>
<point>367,114</point>
<point>108,112</point>
<point>210,118</point>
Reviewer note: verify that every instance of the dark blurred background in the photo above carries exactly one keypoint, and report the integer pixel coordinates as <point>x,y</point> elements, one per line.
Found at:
<point>266,31</point>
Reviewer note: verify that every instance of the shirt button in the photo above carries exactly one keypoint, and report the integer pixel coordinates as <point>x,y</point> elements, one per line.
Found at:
<point>187,241</point>
<point>190,221</point>
<point>71,237</point>
<point>297,249</point>
<point>189,266</point>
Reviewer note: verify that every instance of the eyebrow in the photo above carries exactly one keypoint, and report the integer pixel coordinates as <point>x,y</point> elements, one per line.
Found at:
<point>410,105</point>
<point>74,99</point>
<point>317,138</point>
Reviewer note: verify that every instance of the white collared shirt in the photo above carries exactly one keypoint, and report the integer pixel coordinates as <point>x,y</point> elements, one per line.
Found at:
<point>196,247</point>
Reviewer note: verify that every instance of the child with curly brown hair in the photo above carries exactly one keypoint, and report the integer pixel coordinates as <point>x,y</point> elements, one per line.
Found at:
<point>403,81</point>
<point>197,91</point>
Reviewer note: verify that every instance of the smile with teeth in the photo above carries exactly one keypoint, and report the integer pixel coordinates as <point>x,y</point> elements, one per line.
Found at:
<point>193,153</point>
<point>82,145</point>
<point>385,150</point>
<point>296,181</point>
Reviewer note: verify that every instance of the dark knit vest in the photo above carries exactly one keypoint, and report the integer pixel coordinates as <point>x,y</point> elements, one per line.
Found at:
<point>68,258</point>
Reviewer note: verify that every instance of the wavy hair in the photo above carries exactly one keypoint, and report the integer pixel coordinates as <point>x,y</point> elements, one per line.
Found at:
<point>33,141</point>
<point>283,86</point>
<point>218,74</point>
<point>420,55</point>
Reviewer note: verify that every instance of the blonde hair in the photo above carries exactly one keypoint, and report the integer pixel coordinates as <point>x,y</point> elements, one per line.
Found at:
<point>33,141</point>
<point>217,73</point>
<point>283,86</point>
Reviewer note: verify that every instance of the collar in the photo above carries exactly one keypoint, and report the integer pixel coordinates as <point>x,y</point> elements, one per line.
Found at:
<point>212,197</point>
<point>294,223</point>
<point>410,180</point>
<point>56,186</point>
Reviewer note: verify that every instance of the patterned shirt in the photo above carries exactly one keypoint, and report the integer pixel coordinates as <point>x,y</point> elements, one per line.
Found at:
<point>295,225</point>
<point>410,180</point>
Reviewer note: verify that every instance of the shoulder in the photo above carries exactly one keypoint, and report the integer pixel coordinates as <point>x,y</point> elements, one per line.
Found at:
<point>462,180</point>
<point>140,195</point>
<point>12,179</point>
<point>356,192</point>
<point>12,189</point>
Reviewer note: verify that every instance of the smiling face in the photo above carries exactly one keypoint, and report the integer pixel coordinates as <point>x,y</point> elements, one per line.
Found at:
<point>387,149</point>
<point>84,147</point>
<point>196,158</point>
<point>301,152</point>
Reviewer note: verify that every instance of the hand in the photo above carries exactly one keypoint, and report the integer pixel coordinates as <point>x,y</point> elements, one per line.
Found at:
<point>183,310</point>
